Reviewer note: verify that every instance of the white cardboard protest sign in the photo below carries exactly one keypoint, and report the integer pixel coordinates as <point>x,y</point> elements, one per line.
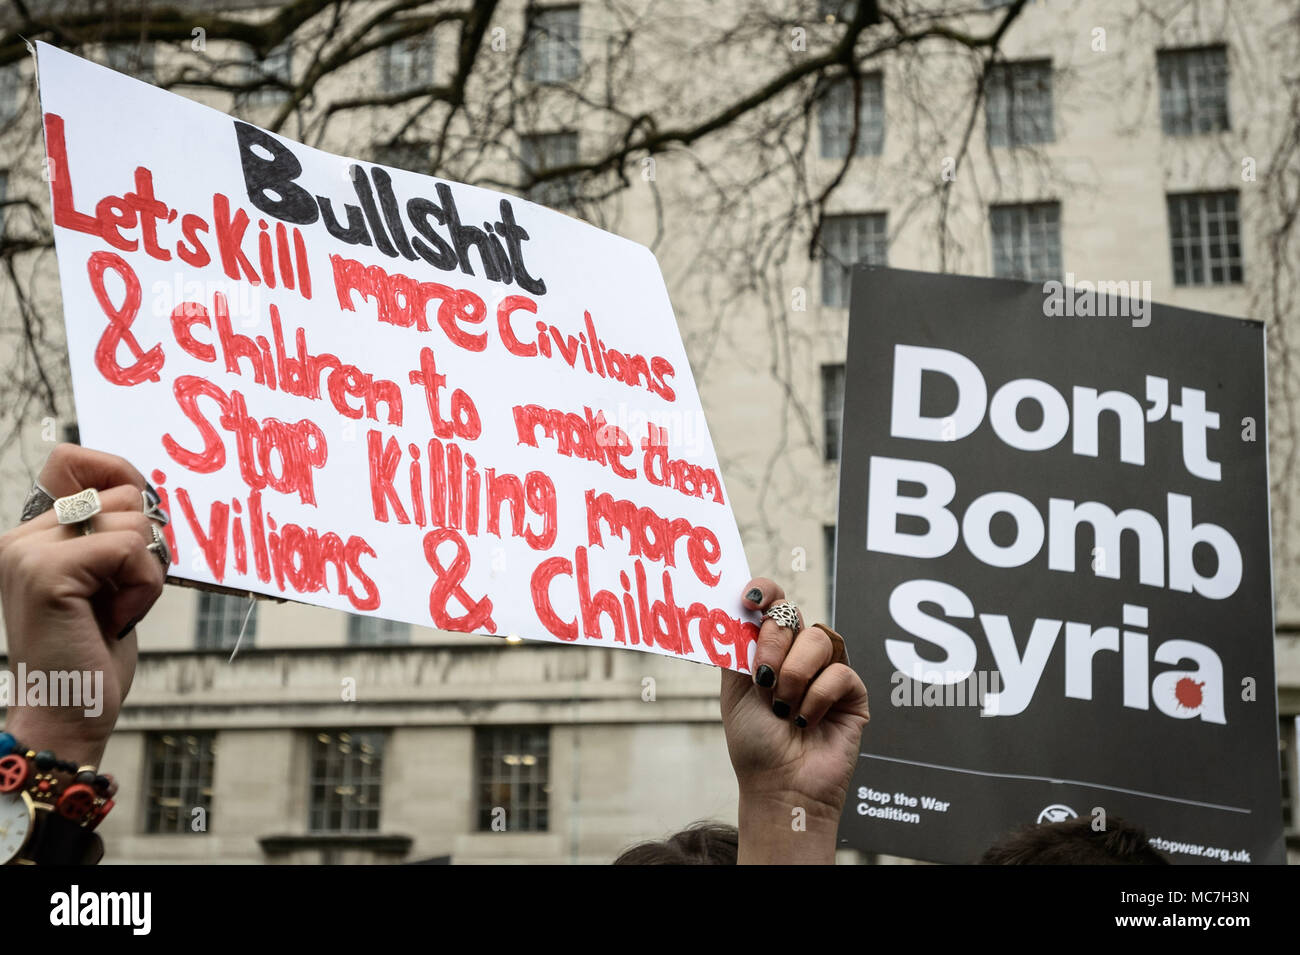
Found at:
<point>380,392</point>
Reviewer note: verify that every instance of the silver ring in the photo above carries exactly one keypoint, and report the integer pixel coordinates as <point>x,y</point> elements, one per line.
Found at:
<point>785,614</point>
<point>78,508</point>
<point>159,547</point>
<point>38,502</point>
<point>153,507</point>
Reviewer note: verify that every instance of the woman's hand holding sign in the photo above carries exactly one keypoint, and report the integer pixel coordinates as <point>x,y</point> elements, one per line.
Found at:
<point>793,731</point>
<point>73,592</point>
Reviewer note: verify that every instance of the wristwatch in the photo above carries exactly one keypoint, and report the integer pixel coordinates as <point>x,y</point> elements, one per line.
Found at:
<point>17,820</point>
<point>33,833</point>
<point>49,808</point>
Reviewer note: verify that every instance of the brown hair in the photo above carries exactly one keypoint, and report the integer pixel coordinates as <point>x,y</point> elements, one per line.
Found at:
<point>1074,842</point>
<point>704,843</point>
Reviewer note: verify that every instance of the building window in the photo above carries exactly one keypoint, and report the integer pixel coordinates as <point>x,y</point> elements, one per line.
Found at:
<point>408,64</point>
<point>847,241</point>
<point>11,86</point>
<point>832,409</point>
<point>828,546</point>
<point>1193,90</point>
<point>275,72</point>
<point>178,774</point>
<point>514,769</point>
<point>404,154</point>
<point>346,781</point>
<point>1205,237</point>
<point>543,151</point>
<point>1027,241</point>
<point>835,118</point>
<point>133,59</point>
<point>376,632</point>
<point>551,44</point>
<point>842,10</point>
<point>221,617</point>
<point>1019,109</point>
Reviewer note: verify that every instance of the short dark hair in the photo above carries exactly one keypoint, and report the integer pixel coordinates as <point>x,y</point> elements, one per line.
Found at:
<point>1074,842</point>
<point>704,843</point>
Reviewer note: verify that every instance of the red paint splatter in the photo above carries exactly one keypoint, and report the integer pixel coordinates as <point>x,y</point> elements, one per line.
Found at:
<point>1188,692</point>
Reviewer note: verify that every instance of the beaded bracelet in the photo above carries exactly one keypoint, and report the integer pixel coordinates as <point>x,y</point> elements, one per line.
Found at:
<point>85,799</point>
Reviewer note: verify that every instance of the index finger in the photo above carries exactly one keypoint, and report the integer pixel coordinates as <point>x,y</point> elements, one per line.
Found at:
<point>71,468</point>
<point>760,592</point>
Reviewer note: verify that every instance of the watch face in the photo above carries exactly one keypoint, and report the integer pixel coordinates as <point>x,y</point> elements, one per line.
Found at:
<point>17,814</point>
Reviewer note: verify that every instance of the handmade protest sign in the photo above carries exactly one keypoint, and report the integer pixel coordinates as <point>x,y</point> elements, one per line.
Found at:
<point>381,392</point>
<point>1053,569</point>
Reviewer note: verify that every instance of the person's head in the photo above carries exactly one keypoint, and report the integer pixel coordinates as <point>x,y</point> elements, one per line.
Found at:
<point>704,843</point>
<point>1074,842</point>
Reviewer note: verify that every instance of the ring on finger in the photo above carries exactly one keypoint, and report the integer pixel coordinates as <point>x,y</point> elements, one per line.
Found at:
<point>38,502</point>
<point>158,547</point>
<point>153,507</point>
<point>785,614</point>
<point>839,652</point>
<point>78,508</point>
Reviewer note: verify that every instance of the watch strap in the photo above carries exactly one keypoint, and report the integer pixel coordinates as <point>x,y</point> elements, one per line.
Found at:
<point>60,841</point>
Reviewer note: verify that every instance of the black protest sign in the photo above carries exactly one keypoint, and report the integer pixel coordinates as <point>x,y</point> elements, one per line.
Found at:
<point>1053,568</point>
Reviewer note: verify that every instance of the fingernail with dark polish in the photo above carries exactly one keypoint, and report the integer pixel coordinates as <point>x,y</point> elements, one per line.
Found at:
<point>765,676</point>
<point>800,722</point>
<point>129,627</point>
<point>781,708</point>
<point>755,596</point>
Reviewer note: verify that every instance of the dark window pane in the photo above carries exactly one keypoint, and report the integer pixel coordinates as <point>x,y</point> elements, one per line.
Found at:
<point>847,241</point>
<point>835,117</point>
<point>180,781</point>
<point>1203,238</point>
<point>408,64</point>
<point>513,776</point>
<point>220,619</point>
<point>1193,90</point>
<point>375,631</point>
<point>832,409</point>
<point>346,782</point>
<point>541,152</point>
<point>1019,106</point>
<point>552,47</point>
<point>1026,241</point>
